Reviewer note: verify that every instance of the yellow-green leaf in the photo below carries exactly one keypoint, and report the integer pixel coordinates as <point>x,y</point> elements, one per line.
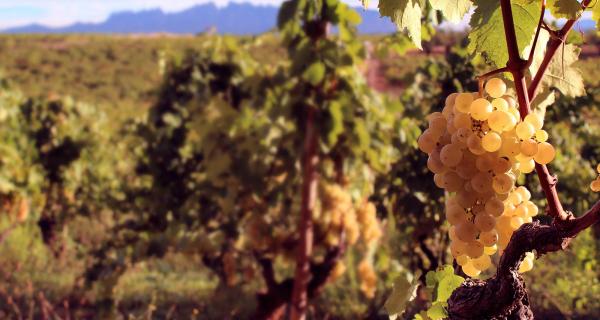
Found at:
<point>406,14</point>
<point>453,10</point>
<point>487,29</point>
<point>568,9</point>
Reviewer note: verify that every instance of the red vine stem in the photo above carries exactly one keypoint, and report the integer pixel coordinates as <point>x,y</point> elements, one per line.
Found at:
<point>309,193</point>
<point>553,45</point>
<point>517,67</point>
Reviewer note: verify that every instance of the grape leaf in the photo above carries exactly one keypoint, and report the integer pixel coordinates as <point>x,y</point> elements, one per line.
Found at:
<point>315,73</point>
<point>595,14</point>
<point>447,286</point>
<point>487,29</point>
<point>453,10</point>
<point>406,14</point>
<point>561,73</point>
<point>437,311</point>
<point>336,122</point>
<point>540,49</point>
<point>541,101</point>
<point>568,9</point>
<point>402,293</point>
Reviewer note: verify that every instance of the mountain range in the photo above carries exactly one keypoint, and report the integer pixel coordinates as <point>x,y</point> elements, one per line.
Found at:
<point>235,18</point>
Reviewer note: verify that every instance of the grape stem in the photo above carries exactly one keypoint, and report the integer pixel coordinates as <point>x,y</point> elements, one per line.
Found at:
<point>504,296</point>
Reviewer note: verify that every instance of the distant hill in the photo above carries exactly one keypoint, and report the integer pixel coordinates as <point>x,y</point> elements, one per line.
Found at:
<point>236,18</point>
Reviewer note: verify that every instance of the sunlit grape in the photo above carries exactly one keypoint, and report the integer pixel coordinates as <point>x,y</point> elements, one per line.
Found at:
<point>491,142</point>
<point>541,135</point>
<point>481,109</point>
<point>536,121</point>
<point>495,87</point>
<point>463,102</point>
<point>470,270</point>
<point>529,147</point>
<point>525,130</point>
<point>545,153</point>
<point>489,238</point>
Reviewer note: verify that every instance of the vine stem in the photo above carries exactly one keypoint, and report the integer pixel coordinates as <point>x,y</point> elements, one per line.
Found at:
<point>309,194</point>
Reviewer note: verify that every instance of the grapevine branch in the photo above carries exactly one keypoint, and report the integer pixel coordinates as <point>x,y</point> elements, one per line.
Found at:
<point>316,30</point>
<point>504,296</point>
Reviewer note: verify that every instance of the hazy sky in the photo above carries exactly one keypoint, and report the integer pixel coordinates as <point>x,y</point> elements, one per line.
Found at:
<point>63,12</point>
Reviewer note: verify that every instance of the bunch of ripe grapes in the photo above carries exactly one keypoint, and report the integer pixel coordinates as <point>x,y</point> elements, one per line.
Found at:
<point>477,146</point>
<point>595,185</point>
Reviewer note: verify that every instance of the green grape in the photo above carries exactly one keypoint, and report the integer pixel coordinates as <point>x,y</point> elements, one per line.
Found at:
<point>490,250</point>
<point>494,207</point>
<point>470,270</point>
<point>515,198</point>
<point>458,248</point>
<point>545,153</point>
<point>434,164</point>
<point>498,120</point>
<point>484,163</point>
<point>491,142</point>
<point>536,121</point>
<point>485,222</point>
<point>527,165</point>
<point>512,103</point>
<point>451,155</point>
<point>521,211</point>
<point>489,238</point>
<point>510,146</point>
<point>524,193</point>
<point>532,209</point>
<point>438,180</point>
<point>500,104</point>
<point>515,114</point>
<point>525,130</point>
<point>502,183</point>
<point>501,165</point>
<point>482,263</point>
<point>495,87</point>
<point>529,147</point>
<point>452,181</point>
<point>466,199</point>
<point>516,222</point>
<point>462,120</point>
<point>481,182</point>
<point>462,260</point>
<point>438,125</point>
<point>474,249</point>
<point>527,263</point>
<point>466,231</point>
<point>474,145</point>
<point>450,99</point>
<point>427,142</point>
<point>463,102</point>
<point>541,135</point>
<point>595,185</point>
<point>481,109</point>
<point>456,214</point>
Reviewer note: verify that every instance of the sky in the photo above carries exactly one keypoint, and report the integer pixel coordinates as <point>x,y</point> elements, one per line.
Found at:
<point>64,12</point>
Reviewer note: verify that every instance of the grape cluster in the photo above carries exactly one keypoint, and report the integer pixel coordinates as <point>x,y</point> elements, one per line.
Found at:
<point>477,147</point>
<point>338,214</point>
<point>595,185</point>
<point>368,278</point>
